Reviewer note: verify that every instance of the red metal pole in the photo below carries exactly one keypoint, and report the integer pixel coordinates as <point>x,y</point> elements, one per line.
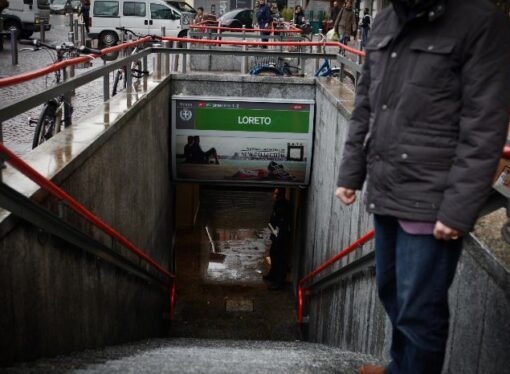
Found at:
<point>365,238</point>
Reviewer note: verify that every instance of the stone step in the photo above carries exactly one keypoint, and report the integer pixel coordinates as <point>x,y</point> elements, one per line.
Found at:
<point>205,356</point>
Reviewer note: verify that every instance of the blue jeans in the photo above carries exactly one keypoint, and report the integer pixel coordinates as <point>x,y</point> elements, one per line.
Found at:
<point>413,274</point>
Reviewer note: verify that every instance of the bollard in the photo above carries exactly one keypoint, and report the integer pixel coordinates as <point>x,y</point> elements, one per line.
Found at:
<point>166,44</point>
<point>163,31</point>
<point>157,66</point>
<point>184,59</point>
<point>122,41</point>
<point>42,32</point>
<point>14,47</point>
<point>106,86</point>
<point>71,23</point>
<point>244,62</point>
<point>175,58</point>
<point>75,32</point>
<point>83,38</point>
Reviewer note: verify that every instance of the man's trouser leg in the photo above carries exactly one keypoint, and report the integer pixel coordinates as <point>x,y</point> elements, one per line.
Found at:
<point>414,273</point>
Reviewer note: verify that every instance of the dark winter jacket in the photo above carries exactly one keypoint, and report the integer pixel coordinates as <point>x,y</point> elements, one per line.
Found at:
<point>264,16</point>
<point>430,116</point>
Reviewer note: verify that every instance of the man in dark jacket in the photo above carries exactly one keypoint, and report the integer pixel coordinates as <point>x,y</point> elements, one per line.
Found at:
<point>280,222</point>
<point>428,126</point>
<point>264,19</point>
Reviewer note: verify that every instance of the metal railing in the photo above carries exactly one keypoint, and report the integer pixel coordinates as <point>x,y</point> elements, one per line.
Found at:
<point>300,288</point>
<point>51,188</point>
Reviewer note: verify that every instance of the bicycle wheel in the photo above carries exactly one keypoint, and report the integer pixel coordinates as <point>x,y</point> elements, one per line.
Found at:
<point>49,121</point>
<point>116,79</point>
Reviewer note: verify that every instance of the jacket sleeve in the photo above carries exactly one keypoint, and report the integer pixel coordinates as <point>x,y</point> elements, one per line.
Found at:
<point>483,127</point>
<point>353,166</point>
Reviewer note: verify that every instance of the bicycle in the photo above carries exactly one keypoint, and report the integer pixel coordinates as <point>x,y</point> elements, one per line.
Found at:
<point>278,66</point>
<point>56,114</point>
<point>136,67</point>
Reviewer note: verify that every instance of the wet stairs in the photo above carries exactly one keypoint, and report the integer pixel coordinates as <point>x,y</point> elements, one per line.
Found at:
<point>226,320</point>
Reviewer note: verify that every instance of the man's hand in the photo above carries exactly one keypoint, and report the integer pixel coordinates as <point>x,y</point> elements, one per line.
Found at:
<point>345,195</point>
<point>443,232</point>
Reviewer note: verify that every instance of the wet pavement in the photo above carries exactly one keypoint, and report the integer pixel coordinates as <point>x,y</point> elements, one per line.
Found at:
<point>18,133</point>
<point>221,293</point>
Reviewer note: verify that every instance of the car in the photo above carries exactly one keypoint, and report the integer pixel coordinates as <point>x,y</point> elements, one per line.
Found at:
<point>237,18</point>
<point>60,6</point>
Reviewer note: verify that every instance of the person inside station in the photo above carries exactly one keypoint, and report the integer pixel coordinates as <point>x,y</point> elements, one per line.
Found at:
<point>279,224</point>
<point>264,20</point>
<point>198,156</point>
<point>85,13</point>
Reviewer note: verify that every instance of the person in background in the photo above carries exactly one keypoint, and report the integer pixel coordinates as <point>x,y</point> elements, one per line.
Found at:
<point>264,19</point>
<point>427,130</point>
<point>85,13</point>
<point>365,27</point>
<point>299,16</point>
<point>345,23</point>
<point>280,223</point>
<point>335,9</point>
<point>199,17</point>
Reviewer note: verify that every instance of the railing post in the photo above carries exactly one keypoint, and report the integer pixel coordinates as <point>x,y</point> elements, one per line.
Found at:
<point>166,44</point>
<point>14,47</point>
<point>175,57</point>
<point>75,32</point>
<point>70,37</point>
<point>145,67</point>
<point>42,32</point>
<point>81,27</point>
<point>157,65</point>
<point>71,23</point>
<point>244,62</point>
<point>185,60</point>
<point>122,40</point>
<point>106,86</point>
<point>209,46</point>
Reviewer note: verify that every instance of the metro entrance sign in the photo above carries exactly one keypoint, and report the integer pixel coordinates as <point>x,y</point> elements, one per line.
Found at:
<point>241,140</point>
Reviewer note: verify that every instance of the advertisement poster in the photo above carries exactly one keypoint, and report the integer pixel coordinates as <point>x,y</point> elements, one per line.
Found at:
<point>242,140</point>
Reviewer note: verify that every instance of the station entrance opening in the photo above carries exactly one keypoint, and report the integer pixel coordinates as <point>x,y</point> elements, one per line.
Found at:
<point>222,252</point>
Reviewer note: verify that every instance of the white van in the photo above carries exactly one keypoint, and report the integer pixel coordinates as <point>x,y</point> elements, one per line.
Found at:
<point>25,16</point>
<point>141,16</point>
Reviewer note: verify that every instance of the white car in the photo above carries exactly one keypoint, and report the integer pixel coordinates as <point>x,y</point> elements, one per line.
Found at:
<point>140,16</point>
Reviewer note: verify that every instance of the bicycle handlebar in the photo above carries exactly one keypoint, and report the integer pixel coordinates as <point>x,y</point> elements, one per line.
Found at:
<point>66,46</point>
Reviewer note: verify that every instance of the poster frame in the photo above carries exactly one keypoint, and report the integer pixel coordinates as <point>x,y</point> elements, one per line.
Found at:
<point>309,138</point>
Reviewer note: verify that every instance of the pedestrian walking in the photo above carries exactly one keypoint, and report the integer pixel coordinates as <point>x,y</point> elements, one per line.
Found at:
<point>85,13</point>
<point>264,20</point>
<point>345,23</point>
<point>365,27</point>
<point>428,126</point>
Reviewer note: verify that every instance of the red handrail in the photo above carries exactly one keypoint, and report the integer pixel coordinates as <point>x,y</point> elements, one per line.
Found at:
<point>204,26</point>
<point>24,77</point>
<point>271,44</point>
<point>325,265</point>
<point>57,192</point>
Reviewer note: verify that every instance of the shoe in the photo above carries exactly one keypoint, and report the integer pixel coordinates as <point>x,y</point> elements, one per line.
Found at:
<point>372,369</point>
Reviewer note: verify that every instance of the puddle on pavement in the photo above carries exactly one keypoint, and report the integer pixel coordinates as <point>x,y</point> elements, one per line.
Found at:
<point>238,256</point>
